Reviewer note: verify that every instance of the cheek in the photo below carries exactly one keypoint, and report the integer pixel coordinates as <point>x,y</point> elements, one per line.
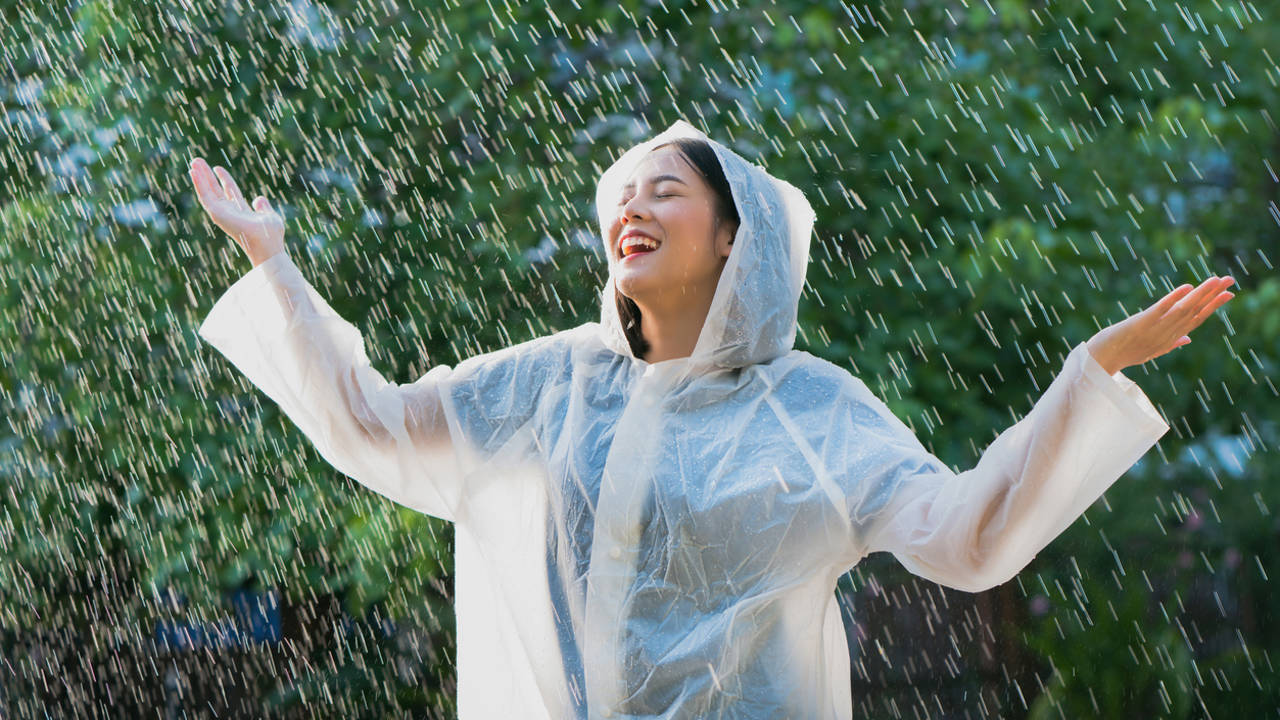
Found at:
<point>611,235</point>
<point>691,229</point>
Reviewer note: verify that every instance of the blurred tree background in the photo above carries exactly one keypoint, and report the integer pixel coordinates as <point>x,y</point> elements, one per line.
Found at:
<point>994,181</point>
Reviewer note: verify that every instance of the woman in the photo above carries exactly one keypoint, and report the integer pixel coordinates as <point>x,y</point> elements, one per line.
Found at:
<point>652,511</point>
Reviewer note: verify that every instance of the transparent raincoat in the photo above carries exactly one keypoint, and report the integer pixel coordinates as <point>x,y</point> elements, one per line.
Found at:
<point>639,539</point>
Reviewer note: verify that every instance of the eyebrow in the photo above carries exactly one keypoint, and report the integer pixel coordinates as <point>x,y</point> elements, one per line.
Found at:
<point>655,181</point>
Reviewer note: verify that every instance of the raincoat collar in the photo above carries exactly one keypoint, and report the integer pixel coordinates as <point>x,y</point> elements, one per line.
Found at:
<point>752,318</point>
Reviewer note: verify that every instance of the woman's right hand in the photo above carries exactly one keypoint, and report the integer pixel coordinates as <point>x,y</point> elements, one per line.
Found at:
<point>257,229</point>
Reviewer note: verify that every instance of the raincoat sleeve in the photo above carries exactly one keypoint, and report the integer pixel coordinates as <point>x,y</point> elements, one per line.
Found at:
<point>976,529</point>
<point>403,441</point>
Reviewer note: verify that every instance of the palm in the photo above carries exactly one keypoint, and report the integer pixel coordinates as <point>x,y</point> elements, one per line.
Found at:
<point>1160,328</point>
<point>233,213</point>
<point>259,232</point>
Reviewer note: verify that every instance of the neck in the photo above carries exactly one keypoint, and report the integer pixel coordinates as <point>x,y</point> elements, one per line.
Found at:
<point>672,332</point>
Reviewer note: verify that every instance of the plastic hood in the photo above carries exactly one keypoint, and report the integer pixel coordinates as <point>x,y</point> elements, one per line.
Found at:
<point>753,313</point>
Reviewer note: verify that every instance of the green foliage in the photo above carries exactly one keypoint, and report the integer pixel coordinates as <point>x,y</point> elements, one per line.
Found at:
<point>1107,665</point>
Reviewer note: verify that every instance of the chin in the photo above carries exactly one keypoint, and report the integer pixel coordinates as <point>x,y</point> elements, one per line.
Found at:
<point>634,286</point>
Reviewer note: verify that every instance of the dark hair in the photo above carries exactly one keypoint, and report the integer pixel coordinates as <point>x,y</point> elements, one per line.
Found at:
<point>702,158</point>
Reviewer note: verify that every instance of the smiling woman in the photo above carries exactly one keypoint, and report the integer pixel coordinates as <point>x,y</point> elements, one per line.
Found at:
<point>665,298</point>
<point>658,532</point>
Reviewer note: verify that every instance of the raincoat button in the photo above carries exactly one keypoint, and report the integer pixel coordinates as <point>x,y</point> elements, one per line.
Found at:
<point>615,552</point>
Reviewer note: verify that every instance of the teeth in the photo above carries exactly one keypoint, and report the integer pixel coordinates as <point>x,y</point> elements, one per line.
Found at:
<point>637,243</point>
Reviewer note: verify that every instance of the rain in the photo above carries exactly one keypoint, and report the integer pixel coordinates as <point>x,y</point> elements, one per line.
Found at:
<point>994,181</point>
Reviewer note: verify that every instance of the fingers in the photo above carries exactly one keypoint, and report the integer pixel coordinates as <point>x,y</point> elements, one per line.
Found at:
<point>1203,295</point>
<point>1193,302</point>
<point>207,187</point>
<point>215,184</point>
<point>1170,299</point>
<point>232,190</point>
<point>1199,305</point>
<point>1212,305</point>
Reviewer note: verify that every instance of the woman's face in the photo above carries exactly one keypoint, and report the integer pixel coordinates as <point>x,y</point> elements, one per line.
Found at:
<point>667,200</point>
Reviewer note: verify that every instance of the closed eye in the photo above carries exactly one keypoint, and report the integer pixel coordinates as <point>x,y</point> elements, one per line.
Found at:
<point>667,195</point>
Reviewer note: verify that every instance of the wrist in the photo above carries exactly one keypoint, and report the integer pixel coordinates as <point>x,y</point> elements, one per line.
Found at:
<point>259,260</point>
<point>1097,350</point>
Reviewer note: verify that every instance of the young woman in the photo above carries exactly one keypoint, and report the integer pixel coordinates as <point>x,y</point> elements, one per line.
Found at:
<point>652,511</point>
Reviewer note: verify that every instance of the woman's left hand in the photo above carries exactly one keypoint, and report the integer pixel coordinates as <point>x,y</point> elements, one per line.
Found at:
<point>1161,327</point>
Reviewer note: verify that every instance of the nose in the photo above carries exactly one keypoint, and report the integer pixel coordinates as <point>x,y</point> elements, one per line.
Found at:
<point>631,209</point>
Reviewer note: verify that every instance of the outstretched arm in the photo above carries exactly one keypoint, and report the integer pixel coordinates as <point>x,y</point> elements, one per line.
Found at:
<point>284,337</point>
<point>976,529</point>
<point>394,439</point>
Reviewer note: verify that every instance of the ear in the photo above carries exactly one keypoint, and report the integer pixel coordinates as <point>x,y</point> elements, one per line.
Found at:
<point>724,239</point>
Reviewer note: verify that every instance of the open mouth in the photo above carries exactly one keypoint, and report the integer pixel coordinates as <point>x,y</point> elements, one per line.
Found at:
<point>637,245</point>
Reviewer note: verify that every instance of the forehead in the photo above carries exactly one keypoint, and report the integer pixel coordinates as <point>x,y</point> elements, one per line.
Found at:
<point>666,160</point>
